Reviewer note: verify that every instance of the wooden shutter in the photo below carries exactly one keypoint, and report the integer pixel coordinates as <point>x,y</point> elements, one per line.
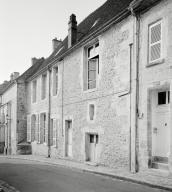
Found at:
<point>92,73</point>
<point>28,128</point>
<point>46,128</point>
<point>155,41</point>
<point>51,132</point>
<point>37,128</point>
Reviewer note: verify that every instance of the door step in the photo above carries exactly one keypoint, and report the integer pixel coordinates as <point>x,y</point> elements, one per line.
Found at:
<point>160,165</point>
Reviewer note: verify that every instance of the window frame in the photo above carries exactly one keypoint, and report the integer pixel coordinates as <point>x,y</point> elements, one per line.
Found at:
<point>160,59</point>
<point>34,91</point>
<point>55,126</point>
<point>55,80</point>
<point>93,55</point>
<point>43,86</point>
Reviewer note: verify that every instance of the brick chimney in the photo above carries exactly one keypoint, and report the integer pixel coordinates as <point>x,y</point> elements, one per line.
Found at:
<point>56,43</point>
<point>72,31</point>
<point>14,76</point>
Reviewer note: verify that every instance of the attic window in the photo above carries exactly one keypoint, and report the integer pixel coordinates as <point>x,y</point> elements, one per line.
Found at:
<point>96,21</point>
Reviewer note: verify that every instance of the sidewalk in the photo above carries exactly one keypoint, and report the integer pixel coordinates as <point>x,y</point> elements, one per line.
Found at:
<point>153,178</point>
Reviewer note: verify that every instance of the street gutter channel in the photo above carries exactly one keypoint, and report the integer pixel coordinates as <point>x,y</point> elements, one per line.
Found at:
<point>97,173</point>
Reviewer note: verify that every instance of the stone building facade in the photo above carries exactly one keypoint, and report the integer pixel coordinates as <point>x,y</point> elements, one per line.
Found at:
<point>103,95</point>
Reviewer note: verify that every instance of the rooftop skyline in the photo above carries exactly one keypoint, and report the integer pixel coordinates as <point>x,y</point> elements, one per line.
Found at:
<point>28,27</point>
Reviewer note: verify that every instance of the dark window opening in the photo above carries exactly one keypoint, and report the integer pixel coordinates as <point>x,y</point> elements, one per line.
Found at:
<point>162,98</point>
<point>91,138</point>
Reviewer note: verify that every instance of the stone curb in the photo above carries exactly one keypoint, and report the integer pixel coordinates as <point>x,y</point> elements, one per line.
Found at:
<point>123,178</point>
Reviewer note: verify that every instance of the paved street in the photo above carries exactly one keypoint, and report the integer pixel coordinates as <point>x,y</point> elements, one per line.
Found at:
<point>28,176</point>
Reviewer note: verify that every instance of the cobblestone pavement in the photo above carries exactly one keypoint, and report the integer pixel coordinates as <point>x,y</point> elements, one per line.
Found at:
<point>151,177</point>
<point>5,187</point>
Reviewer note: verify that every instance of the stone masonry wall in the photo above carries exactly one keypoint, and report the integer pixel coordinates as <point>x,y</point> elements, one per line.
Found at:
<point>155,76</point>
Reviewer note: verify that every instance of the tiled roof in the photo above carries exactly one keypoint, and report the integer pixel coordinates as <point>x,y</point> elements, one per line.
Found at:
<point>90,24</point>
<point>3,86</point>
<point>28,73</point>
<point>32,70</point>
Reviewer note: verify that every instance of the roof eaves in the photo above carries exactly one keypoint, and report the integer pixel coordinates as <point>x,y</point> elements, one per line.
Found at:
<point>139,6</point>
<point>8,86</point>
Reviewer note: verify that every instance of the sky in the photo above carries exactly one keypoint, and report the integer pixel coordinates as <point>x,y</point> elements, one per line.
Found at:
<point>27,28</point>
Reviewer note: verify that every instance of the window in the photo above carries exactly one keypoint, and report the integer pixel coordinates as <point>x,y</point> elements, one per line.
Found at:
<point>43,133</point>
<point>163,97</point>
<point>43,90</point>
<point>155,41</point>
<point>91,111</point>
<point>54,125</point>
<point>55,81</point>
<point>92,67</point>
<point>34,91</point>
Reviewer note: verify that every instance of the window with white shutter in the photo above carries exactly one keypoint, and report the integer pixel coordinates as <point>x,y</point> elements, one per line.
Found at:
<point>28,128</point>
<point>55,125</point>
<point>155,42</point>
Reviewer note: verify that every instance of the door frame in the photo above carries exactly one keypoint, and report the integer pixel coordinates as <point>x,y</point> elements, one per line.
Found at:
<point>151,90</point>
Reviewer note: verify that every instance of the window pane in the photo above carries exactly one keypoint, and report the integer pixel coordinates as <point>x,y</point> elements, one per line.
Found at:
<point>156,33</point>
<point>162,98</point>
<point>92,84</point>
<point>91,75</point>
<point>90,50</point>
<point>155,51</point>
<point>92,64</point>
<point>168,96</point>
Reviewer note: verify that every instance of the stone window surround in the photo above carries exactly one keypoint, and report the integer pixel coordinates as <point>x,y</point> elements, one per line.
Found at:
<point>95,110</point>
<point>160,60</point>
<point>54,91</point>
<point>43,86</point>
<point>66,118</point>
<point>34,91</point>
<point>85,66</point>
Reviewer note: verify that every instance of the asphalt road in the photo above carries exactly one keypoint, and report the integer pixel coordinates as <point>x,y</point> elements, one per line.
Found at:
<point>28,176</point>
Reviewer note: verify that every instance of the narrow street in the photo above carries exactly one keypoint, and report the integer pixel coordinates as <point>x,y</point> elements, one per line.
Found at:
<point>29,176</point>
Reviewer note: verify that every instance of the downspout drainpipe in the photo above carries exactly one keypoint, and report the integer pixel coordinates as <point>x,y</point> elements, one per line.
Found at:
<point>131,61</point>
<point>49,111</point>
<point>137,86</point>
<point>62,110</point>
<point>137,47</point>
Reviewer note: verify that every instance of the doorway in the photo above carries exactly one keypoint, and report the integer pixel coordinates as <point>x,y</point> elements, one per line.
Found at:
<point>68,124</point>
<point>92,141</point>
<point>160,125</point>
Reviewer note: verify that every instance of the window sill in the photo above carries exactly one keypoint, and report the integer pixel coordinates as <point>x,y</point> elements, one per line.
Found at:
<point>160,61</point>
<point>90,90</point>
